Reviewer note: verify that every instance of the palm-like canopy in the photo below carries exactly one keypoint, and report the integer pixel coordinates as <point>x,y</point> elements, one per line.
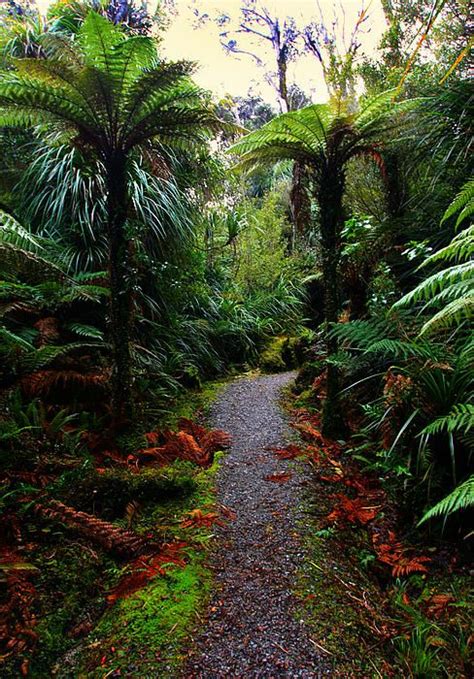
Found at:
<point>107,94</point>
<point>325,138</point>
<point>322,136</point>
<point>110,89</point>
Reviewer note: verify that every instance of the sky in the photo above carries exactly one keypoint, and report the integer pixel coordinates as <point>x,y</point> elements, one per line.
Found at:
<point>234,74</point>
<point>228,73</point>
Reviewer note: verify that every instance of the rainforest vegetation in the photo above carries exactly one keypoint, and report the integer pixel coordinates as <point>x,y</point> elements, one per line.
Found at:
<point>155,242</point>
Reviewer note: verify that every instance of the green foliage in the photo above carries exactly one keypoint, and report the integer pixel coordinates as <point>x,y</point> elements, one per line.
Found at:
<point>262,255</point>
<point>462,497</point>
<point>461,418</point>
<point>452,288</point>
<point>271,358</point>
<point>307,135</point>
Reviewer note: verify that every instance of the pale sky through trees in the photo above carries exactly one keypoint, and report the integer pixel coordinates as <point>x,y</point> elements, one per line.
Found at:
<point>236,74</point>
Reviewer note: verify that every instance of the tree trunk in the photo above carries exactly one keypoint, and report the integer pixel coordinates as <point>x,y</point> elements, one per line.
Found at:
<point>299,201</point>
<point>120,288</point>
<point>330,194</point>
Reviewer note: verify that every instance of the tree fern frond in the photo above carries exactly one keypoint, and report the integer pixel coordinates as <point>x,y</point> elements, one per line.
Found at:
<point>452,314</point>
<point>437,282</point>
<point>463,203</point>
<point>461,497</point>
<point>402,349</point>
<point>361,334</point>
<point>459,249</point>
<point>13,233</point>
<point>452,292</point>
<point>28,266</point>
<point>46,355</point>
<point>85,292</point>
<point>460,419</point>
<point>12,342</point>
<point>85,330</point>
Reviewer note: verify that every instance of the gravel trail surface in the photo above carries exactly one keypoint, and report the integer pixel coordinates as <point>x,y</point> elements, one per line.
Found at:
<point>251,629</point>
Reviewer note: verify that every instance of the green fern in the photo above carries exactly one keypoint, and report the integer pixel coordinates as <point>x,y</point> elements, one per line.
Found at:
<point>462,204</point>
<point>11,342</point>
<point>461,497</point>
<point>399,349</point>
<point>361,334</point>
<point>460,419</point>
<point>85,330</point>
<point>44,356</point>
<point>452,287</point>
<point>14,233</point>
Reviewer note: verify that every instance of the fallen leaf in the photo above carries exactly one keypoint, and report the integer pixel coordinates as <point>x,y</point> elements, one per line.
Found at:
<point>279,477</point>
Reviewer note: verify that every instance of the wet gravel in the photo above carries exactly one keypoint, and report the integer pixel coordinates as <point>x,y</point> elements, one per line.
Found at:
<point>251,628</point>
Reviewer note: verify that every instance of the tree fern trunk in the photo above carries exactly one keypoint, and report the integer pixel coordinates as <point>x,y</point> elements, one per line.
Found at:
<point>120,291</point>
<point>300,206</point>
<point>330,194</point>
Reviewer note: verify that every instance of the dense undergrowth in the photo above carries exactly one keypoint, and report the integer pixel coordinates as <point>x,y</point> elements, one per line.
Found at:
<point>137,262</point>
<point>379,599</point>
<point>80,602</point>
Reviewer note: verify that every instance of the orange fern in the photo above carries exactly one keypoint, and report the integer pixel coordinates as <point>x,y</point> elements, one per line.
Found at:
<point>145,568</point>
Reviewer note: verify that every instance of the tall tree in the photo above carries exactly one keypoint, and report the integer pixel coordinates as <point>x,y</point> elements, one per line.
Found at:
<point>110,95</point>
<point>334,53</point>
<point>256,29</point>
<point>256,24</point>
<point>324,138</point>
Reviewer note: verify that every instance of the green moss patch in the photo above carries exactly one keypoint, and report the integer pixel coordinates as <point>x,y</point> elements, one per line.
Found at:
<point>142,635</point>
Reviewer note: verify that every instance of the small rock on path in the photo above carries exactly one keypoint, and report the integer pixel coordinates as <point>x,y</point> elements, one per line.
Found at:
<point>251,628</point>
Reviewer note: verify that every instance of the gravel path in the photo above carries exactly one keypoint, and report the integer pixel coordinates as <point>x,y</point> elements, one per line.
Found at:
<point>251,629</point>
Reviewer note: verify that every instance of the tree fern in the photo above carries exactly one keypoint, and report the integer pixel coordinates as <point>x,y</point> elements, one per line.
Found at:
<point>11,342</point>
<point>461,498</point>
<point>14,233</point>
<point>44,356</point>
<point>111,94</point>
<point>85,330</point>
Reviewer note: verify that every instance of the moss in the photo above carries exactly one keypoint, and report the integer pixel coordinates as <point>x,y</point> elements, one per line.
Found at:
<point>143,634</point>
<point>284,353</point>
<point>277,355</point>
<point>110,492</point>
<point>147,630</point>
<point>193,403</point>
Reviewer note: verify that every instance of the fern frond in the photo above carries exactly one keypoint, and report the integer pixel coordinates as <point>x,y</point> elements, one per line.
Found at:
<point>46,355</point>
<point>460,419</point>
<point>461,248</point>
<point>27,265</point>
<point>461,497</point>
<point>14,233</point>
<point>12,342</point>
<point>437,282</point>
<point>361,334</point>
<point>403,350</point>
<point>85,330</point>
<point>463,203</point>
<point>452,314</point>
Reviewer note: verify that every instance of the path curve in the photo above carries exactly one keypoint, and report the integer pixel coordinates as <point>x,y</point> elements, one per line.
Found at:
<point>251,629</point>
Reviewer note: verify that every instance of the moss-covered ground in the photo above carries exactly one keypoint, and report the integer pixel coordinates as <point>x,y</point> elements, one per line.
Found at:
<point>142,634</point>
